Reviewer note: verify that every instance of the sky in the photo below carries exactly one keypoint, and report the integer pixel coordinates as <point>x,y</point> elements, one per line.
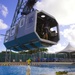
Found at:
<point>62,10</point>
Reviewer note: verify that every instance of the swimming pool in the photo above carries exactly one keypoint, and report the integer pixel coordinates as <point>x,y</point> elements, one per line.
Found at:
<point>36,70</point>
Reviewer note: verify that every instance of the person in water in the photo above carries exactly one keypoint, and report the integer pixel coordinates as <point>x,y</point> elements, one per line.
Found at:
<point>28,61</point>
<point>28,67</point>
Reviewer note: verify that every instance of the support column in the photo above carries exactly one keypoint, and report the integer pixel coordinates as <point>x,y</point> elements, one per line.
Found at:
<point>39,54</point>
<point>6,56</point>
<point>10,56</point>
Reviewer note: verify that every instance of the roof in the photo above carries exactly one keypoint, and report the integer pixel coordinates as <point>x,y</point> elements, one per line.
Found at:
<point>69,48</point>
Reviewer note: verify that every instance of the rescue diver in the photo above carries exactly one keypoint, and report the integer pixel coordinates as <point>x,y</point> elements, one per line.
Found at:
<point>28,67</point>
<point>28,61</point>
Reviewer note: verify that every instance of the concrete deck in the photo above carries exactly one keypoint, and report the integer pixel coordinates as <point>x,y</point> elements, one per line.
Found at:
<point>33,63</point>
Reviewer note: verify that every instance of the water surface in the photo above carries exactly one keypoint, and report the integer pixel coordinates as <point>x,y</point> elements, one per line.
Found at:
<point>36,70</point>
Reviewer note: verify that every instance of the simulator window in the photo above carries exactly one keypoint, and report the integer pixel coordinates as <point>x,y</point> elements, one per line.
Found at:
<point>7,36</point>
<point>22,21</point>
<point>47,27</point>
<point>12,30</point>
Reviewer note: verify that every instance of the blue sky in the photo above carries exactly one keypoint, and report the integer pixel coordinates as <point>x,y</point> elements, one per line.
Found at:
<point>62,10</point>
<point>7,8</point>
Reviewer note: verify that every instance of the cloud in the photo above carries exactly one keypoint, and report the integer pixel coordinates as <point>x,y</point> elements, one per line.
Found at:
<point>56,48</point>
<point>1,40</point>
<point>3,25</point>
<point>69,34</point>
<point>3,10</point>
<point>62,10</point>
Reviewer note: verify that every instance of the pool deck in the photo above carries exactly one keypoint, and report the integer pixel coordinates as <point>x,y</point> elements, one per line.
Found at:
<point>33,63</point>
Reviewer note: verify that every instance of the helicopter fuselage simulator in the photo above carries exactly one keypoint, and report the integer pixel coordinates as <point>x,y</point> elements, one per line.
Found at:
<point>36,29</point>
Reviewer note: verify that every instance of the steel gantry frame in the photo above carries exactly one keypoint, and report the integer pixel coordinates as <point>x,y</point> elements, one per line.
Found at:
<point>23,7</point>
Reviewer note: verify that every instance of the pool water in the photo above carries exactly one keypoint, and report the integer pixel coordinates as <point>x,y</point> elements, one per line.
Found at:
<point>36,70</point>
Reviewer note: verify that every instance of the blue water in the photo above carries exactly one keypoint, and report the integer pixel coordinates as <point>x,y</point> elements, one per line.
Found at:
<point>36,70</point>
